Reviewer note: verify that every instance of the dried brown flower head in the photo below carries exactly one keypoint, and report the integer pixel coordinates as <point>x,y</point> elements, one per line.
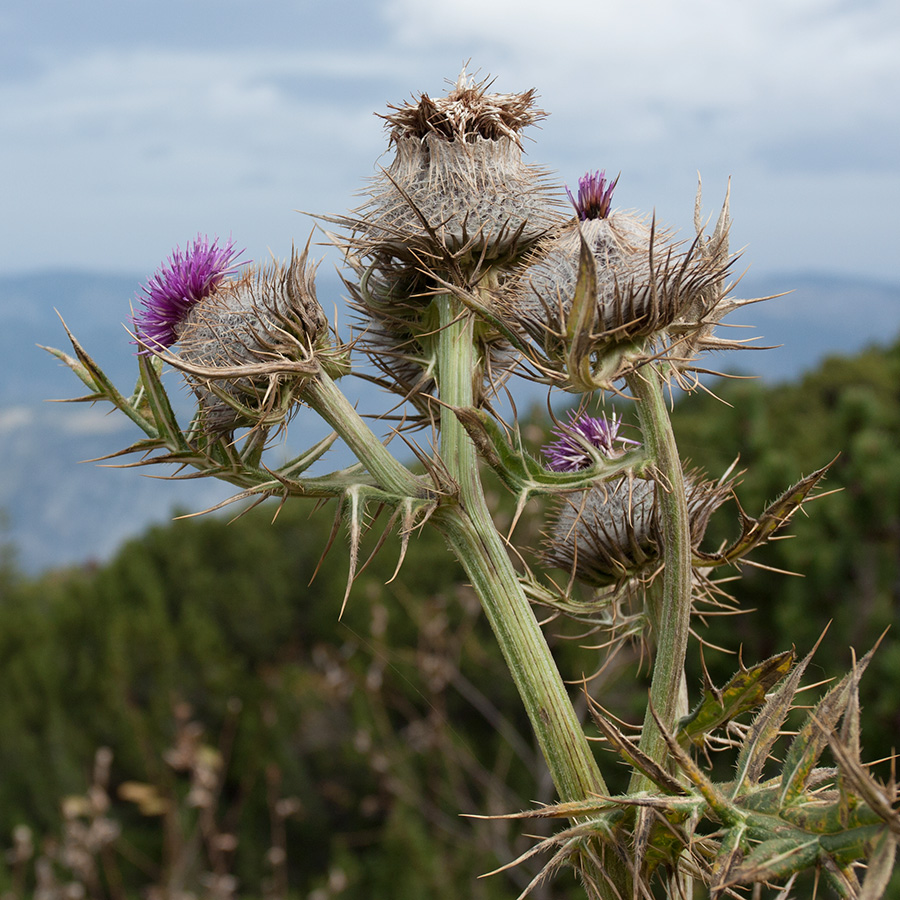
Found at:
<point>457,184</point>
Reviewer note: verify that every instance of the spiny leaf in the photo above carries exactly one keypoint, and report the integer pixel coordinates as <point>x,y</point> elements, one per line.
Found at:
<point>813,737</point>
<point>79,369</point>
<point>820,817</point>
<point>841,879</point>
<point>353,508</point>
<point>634,755</point>
<point>755,532</point>
<point>356,497</point>
<point>880,868</point>
<point>582,316</point>
<point>851,844</point>
<point>97,381</point>
<point>877,797</point>
<point>304,460</point>
<point>569,842</point>
<point>776,859</point>
<point>729,857</point>
<point>726,811</point>
<point>572,809</point>
<point>746,690</point>
<point>766,727</point>
<point>413,514</point>
<point>640,841</point>
<point>158,400</point>
<point>100,380</point>
<point>850,729</point>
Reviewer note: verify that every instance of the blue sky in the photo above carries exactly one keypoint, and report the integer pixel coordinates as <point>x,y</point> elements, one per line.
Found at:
<point>130,126</point>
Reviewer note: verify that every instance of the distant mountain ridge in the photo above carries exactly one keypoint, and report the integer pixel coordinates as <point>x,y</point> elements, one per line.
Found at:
<point>820,315</point>
<point>60,512</point>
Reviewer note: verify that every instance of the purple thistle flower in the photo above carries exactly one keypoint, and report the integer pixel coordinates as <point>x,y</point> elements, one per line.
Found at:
<point>569,453</point>
<point>183,280</point>
<point>594,195</point>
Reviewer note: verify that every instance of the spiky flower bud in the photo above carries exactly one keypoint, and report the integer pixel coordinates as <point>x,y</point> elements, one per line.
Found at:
<point>632,261</point>
<point>455,206</point>
<point>613,531</point>
<point>246,343</point>
<point>643,282</point>
<point>270,312</point>
<point>457,184</point>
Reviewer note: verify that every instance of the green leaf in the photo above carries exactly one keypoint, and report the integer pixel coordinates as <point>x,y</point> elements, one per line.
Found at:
<point>815,816</point>
<point>160,408</point>
<point>729,856</point>
<point>722,807</point>
<point>775,859</point>
<point>813,737</point>
<point>879,869</point>
<point>755,532</point>
<point>746,690</point>
<point>879,799</point>
<point>766,727</point>
<point>844,847</point>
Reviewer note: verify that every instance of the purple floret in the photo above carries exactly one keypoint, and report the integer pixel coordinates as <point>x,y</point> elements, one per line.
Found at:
<point>569,454</point>
<point>594,195</point>
<point>183,280</point>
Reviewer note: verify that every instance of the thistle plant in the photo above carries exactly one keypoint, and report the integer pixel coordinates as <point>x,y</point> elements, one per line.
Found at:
<point>467,269</point>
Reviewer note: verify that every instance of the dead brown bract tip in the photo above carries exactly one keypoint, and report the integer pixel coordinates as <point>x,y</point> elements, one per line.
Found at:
<point>466,112</point>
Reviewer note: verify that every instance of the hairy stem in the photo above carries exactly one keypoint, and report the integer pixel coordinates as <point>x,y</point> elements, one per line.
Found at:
<point>473,537</point>
<point>670,611</point>
<point>323,395</point>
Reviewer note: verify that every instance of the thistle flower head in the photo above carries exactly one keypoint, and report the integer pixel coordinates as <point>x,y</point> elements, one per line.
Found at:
<point>186,278</point>
<point>594,198</point>
<point>612,532</point>
<point>611,290</point>
<point>633,264</point>
<point>569,454</point>
<point>457,185</point>
<point>247,348</point>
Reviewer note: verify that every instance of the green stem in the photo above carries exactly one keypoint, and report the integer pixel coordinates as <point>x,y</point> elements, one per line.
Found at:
<point>323,395</point>
<point>670,612</point>
<point>473,537</point>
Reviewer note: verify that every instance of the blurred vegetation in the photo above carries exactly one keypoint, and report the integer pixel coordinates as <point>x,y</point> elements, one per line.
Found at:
<point>846,550</point>
<point>255,736</point>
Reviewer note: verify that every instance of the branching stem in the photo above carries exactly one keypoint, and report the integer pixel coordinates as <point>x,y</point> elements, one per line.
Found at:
<point>473,537</point>
<point>323,395</point>
<point>670,612</point>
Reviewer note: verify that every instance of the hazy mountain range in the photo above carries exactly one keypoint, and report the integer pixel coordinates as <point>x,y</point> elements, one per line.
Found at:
<point>58,510</point>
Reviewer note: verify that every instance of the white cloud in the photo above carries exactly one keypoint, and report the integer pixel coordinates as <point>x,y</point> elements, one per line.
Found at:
<point>123,150</point>
<point>797,99</point>
<point>15,417</point>
<point>115,145</point>
<point>644,64</point>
